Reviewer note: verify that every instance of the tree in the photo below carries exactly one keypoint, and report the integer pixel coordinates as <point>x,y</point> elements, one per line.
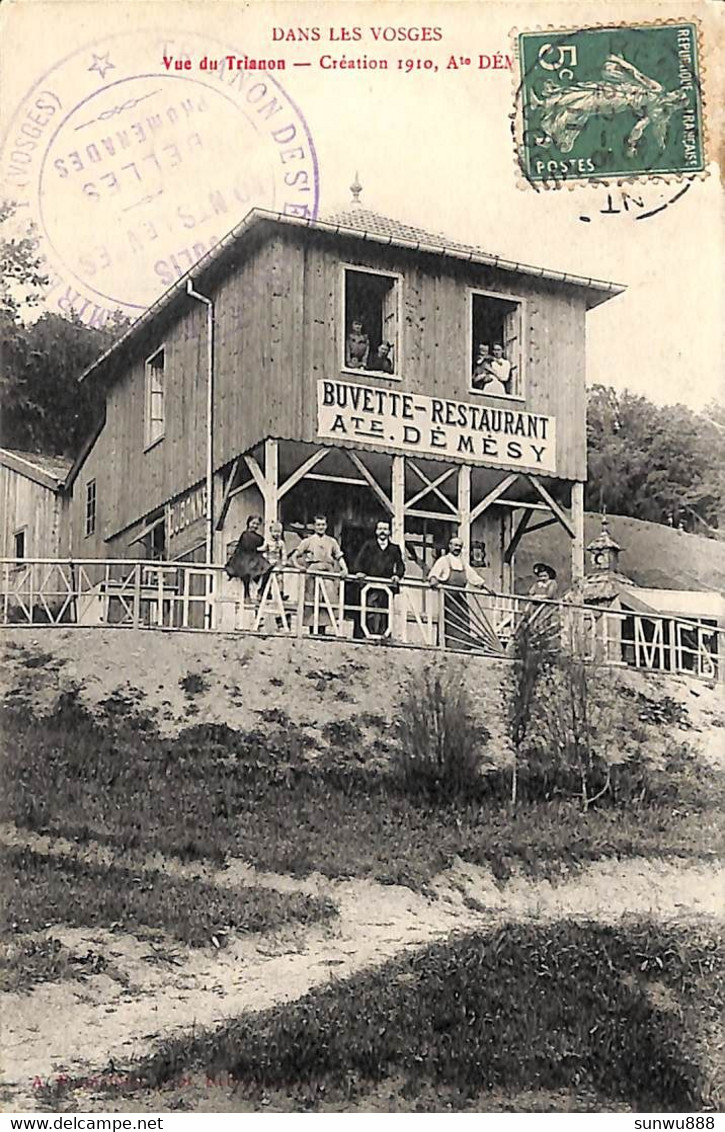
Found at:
<point>661,463</point>
<point>532,656</point>
<point>21,275</point>
<point>43,407</point>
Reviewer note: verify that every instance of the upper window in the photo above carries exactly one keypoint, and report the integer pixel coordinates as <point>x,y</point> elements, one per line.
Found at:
<point>371,319</point>
<point>496,346</point>
<point>90,507</point>
<point>19,542</point>
<point>155,423</point>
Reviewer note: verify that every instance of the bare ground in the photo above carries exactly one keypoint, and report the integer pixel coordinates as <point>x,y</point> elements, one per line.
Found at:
<point>158,988</point>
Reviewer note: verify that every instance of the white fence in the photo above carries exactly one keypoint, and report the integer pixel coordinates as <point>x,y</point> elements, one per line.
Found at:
<point>174,595</point>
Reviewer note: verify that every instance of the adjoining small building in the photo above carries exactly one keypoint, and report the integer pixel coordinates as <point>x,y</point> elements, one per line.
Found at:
<point>31,503</point>
<point>333,366</point>
<point>663,629</point>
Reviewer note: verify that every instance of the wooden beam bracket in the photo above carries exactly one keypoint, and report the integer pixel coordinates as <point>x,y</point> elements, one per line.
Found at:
<point>517,536</point>
<point>300,473</point>
<point>493,495</point>
<point>370,479</point>
<point>226,500</point>
<point>431,485</point>
<point>552,504</point>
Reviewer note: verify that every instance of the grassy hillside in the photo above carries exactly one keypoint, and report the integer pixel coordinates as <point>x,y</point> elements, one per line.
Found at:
<point>652,555</point>
<point>203,827</point>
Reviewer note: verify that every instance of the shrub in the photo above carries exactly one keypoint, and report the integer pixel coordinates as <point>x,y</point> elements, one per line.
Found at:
<point>532,658</point>
<point>584,728</point>
<point>441,748</point>
<point>577,731</point>
<point>194,683</point>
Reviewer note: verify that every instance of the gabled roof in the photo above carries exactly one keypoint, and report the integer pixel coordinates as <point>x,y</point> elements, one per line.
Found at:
<point>357,223</point>
<point>684,603</point>
<point>85,449</point>
<point>48,471</point>
<point>360,221</point>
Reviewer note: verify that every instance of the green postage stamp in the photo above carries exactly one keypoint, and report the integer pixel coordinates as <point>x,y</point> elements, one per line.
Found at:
<point>610,102</point>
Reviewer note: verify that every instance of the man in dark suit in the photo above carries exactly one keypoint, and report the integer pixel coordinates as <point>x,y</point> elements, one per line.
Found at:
<point>380,558</point>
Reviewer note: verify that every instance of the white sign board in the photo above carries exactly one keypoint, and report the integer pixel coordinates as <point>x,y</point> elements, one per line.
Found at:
<point>184,512</point>
<point>435,426</point>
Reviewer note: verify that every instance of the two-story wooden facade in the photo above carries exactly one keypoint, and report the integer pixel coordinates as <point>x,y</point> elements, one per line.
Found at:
<point>257,384</point>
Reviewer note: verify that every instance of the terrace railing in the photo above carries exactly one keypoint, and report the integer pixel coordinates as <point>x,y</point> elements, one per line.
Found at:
<point>192,596</point>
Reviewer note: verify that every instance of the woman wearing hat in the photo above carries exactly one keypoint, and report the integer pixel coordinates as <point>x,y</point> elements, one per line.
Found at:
<point>544,616</point>
<point>545,584</point>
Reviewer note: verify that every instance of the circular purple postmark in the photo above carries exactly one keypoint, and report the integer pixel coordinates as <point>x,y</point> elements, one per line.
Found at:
<point>133,163</point>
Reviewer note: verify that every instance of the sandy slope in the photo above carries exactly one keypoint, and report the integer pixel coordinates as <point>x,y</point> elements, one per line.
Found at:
<point>313,682</point>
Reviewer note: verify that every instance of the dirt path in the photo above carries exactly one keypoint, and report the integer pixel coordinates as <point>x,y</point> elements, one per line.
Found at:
<point>154,991</point>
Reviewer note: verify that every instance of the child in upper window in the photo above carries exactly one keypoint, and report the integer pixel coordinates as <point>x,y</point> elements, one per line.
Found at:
<point>357,346</point>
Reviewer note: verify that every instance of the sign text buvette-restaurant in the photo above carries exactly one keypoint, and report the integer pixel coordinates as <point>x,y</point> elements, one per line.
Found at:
<point>435,426</point>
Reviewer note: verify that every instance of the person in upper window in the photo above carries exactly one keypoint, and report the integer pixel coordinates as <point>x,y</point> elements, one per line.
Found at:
<point>500,369</point>
<point>381,359</point>
<point>357,346</point>
<point>482,367</point>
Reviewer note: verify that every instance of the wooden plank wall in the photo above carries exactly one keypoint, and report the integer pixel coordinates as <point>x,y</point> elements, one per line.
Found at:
<point>279,329</point>
<point>294,301</point>
<point>434,341</point>
<point>30,506</point>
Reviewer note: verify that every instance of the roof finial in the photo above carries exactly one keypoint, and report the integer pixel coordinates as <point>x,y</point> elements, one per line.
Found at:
<point>356,189</point>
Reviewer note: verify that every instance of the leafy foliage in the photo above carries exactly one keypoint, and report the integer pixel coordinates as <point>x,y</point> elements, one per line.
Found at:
<point>43,408</point>
<point>578,731</point>
<point>567,1005</point>
<point>441,748</point>
<point>531,657</point>
<point>21,268</point>
<point>663,463</point>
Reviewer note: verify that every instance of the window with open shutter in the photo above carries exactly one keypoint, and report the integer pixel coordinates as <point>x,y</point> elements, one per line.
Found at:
<point>155,421</point>
<point>496,335</point>
<point>371,321</point>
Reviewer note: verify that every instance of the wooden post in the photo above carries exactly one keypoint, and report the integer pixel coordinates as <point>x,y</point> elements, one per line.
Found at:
<point>464,507</point>
<point>577,543</point>
<point>398,612</point>
<point>136,596</point>
<point>398,500</point>
<point>271,477</point>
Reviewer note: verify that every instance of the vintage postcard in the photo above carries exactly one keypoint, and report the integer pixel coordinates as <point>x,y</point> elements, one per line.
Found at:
<point>362,556</point>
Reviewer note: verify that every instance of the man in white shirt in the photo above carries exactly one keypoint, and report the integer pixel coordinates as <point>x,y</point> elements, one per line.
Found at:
<point>500,367</point>
<point>465,624</point>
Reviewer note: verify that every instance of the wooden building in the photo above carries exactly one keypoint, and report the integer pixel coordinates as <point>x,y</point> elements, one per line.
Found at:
<point>30,504</point>
<point>645,627</point>
<point>246,388</point>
